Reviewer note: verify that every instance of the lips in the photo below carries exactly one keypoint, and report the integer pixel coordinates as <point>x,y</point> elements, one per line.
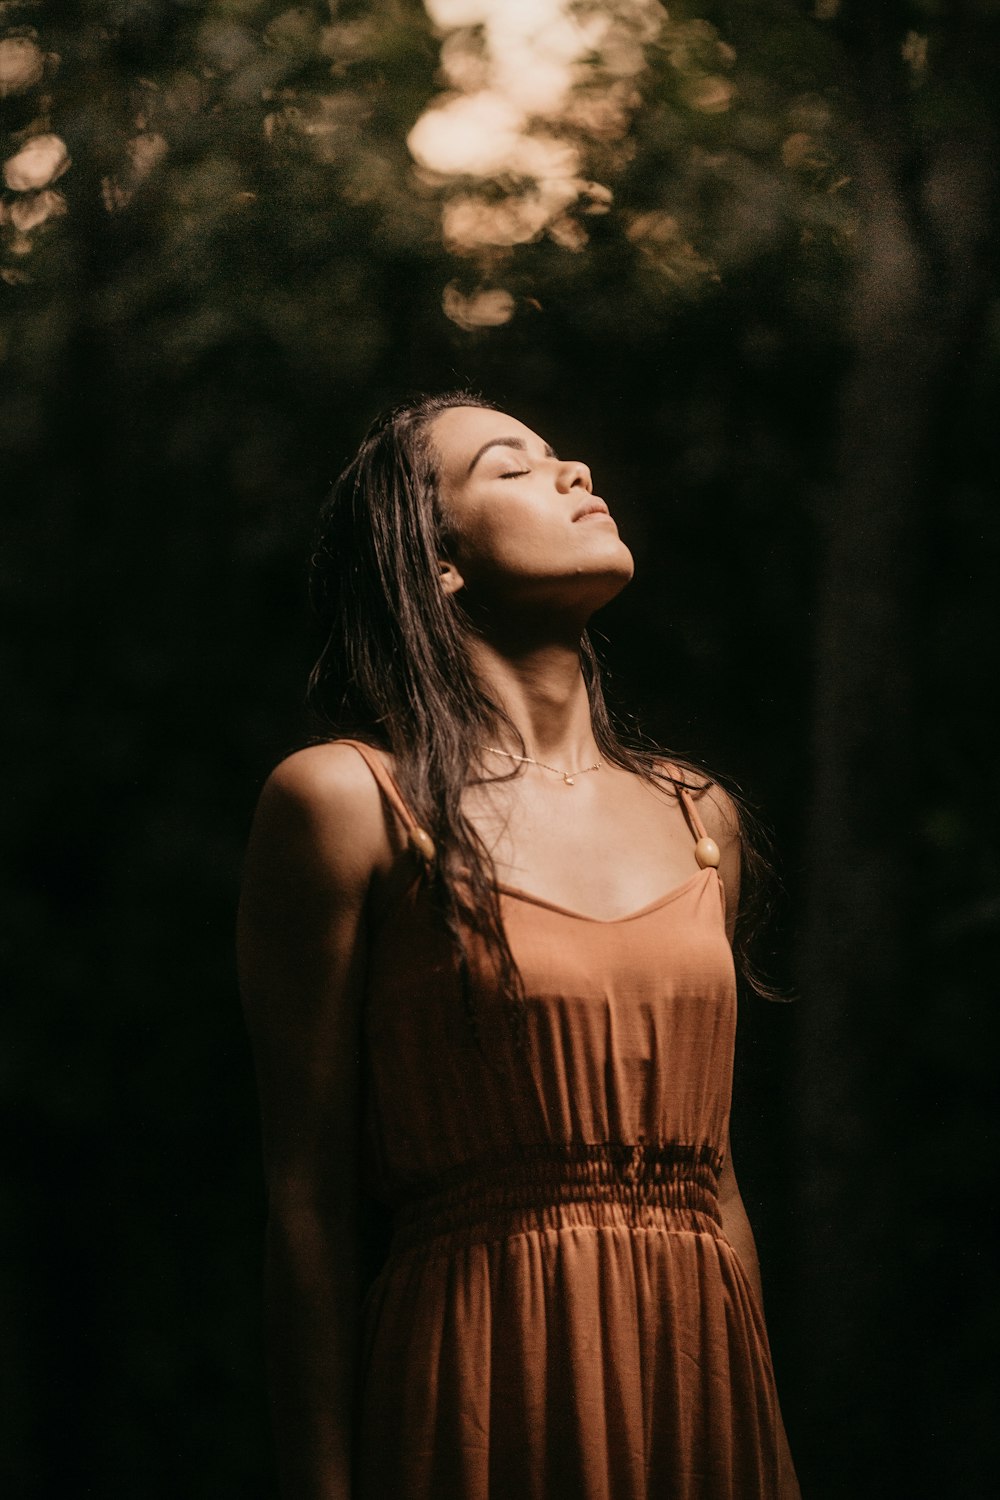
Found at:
<point>594,506</point>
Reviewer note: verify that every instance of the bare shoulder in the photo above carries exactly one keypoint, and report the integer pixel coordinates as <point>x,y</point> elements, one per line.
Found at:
<point>718,812</point>
<point>318,773</point>
<point>715,806</point>
<point>321,809</point>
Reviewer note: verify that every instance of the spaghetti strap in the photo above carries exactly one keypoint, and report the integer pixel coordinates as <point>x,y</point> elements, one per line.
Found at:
<point>693,815</point>
<point>384,777</point>
<point>419,839</point>
<point>706,850</point>
<point>687,802</point>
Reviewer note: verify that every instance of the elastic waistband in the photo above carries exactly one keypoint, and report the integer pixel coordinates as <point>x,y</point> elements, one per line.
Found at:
<point>666,1185</point>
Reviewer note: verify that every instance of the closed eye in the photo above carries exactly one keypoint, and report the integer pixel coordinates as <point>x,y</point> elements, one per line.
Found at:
<point>515,474</point>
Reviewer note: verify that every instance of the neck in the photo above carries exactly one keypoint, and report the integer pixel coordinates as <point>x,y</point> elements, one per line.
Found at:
<point>541,687</point>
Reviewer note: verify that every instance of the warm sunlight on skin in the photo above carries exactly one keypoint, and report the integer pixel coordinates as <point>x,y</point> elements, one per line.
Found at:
<point>521,539</point>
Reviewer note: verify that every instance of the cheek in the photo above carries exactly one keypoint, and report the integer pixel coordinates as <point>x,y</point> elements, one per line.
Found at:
<point>517,538</point>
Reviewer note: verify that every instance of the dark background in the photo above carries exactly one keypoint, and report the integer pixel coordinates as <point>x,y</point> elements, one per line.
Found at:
<point>789,399</point>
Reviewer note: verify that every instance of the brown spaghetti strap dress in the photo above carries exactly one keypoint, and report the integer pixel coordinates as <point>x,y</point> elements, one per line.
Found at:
<point>560,1313</point>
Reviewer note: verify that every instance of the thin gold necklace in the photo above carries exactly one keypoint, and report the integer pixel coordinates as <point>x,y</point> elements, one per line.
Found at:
<point>567,776</point>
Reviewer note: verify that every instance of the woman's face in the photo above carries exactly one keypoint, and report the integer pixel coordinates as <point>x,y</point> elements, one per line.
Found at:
<point>527,529</point>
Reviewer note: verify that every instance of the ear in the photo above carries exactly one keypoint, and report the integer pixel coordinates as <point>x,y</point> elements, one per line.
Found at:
<point>449,577</point>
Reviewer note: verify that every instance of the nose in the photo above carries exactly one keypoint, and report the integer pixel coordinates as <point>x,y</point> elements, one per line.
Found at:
<point>572,474</point>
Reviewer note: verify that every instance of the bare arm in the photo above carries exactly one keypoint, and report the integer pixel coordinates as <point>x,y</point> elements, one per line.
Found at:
<point>720,819</point>
<point>301,950</point>
<point>736,1224</point>
<point>736,1227</point>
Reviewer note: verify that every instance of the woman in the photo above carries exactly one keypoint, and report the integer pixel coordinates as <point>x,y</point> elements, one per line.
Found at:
<point>484,950</point>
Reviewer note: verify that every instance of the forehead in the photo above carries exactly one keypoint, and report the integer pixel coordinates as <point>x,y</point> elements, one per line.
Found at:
<point>458,434</point>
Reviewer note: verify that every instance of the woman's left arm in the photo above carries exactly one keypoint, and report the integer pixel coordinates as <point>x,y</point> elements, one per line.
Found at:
<point>719,817</point>
<point>736,1225</point>
<point>736,1228</point>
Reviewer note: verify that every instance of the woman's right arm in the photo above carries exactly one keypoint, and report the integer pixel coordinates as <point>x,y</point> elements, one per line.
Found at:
<point>301,954</point>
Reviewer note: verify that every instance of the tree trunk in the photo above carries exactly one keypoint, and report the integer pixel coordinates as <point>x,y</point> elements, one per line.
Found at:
<point>859,959</point>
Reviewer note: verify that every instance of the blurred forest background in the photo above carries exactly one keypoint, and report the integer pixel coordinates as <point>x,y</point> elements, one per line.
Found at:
<point>738,257</point>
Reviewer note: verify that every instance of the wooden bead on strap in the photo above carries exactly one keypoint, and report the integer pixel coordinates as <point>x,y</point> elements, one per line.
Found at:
<point>422,843</point>
<point>706,852</point>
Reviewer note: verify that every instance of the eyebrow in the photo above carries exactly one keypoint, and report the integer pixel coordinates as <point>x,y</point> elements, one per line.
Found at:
<point>508,442</point>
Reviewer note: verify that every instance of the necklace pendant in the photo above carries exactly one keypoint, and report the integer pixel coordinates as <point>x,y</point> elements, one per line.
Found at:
<point>568,780</point>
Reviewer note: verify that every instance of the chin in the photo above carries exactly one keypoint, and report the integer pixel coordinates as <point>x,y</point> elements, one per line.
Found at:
<point>614,558</point>
<point>624,565</point>
<point>611,583</point>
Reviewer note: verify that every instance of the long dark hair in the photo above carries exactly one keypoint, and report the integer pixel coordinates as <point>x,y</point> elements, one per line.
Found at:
<point>396,673</point>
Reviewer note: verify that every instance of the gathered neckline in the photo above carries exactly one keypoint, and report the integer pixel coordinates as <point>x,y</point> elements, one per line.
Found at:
<point>520,894</point>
